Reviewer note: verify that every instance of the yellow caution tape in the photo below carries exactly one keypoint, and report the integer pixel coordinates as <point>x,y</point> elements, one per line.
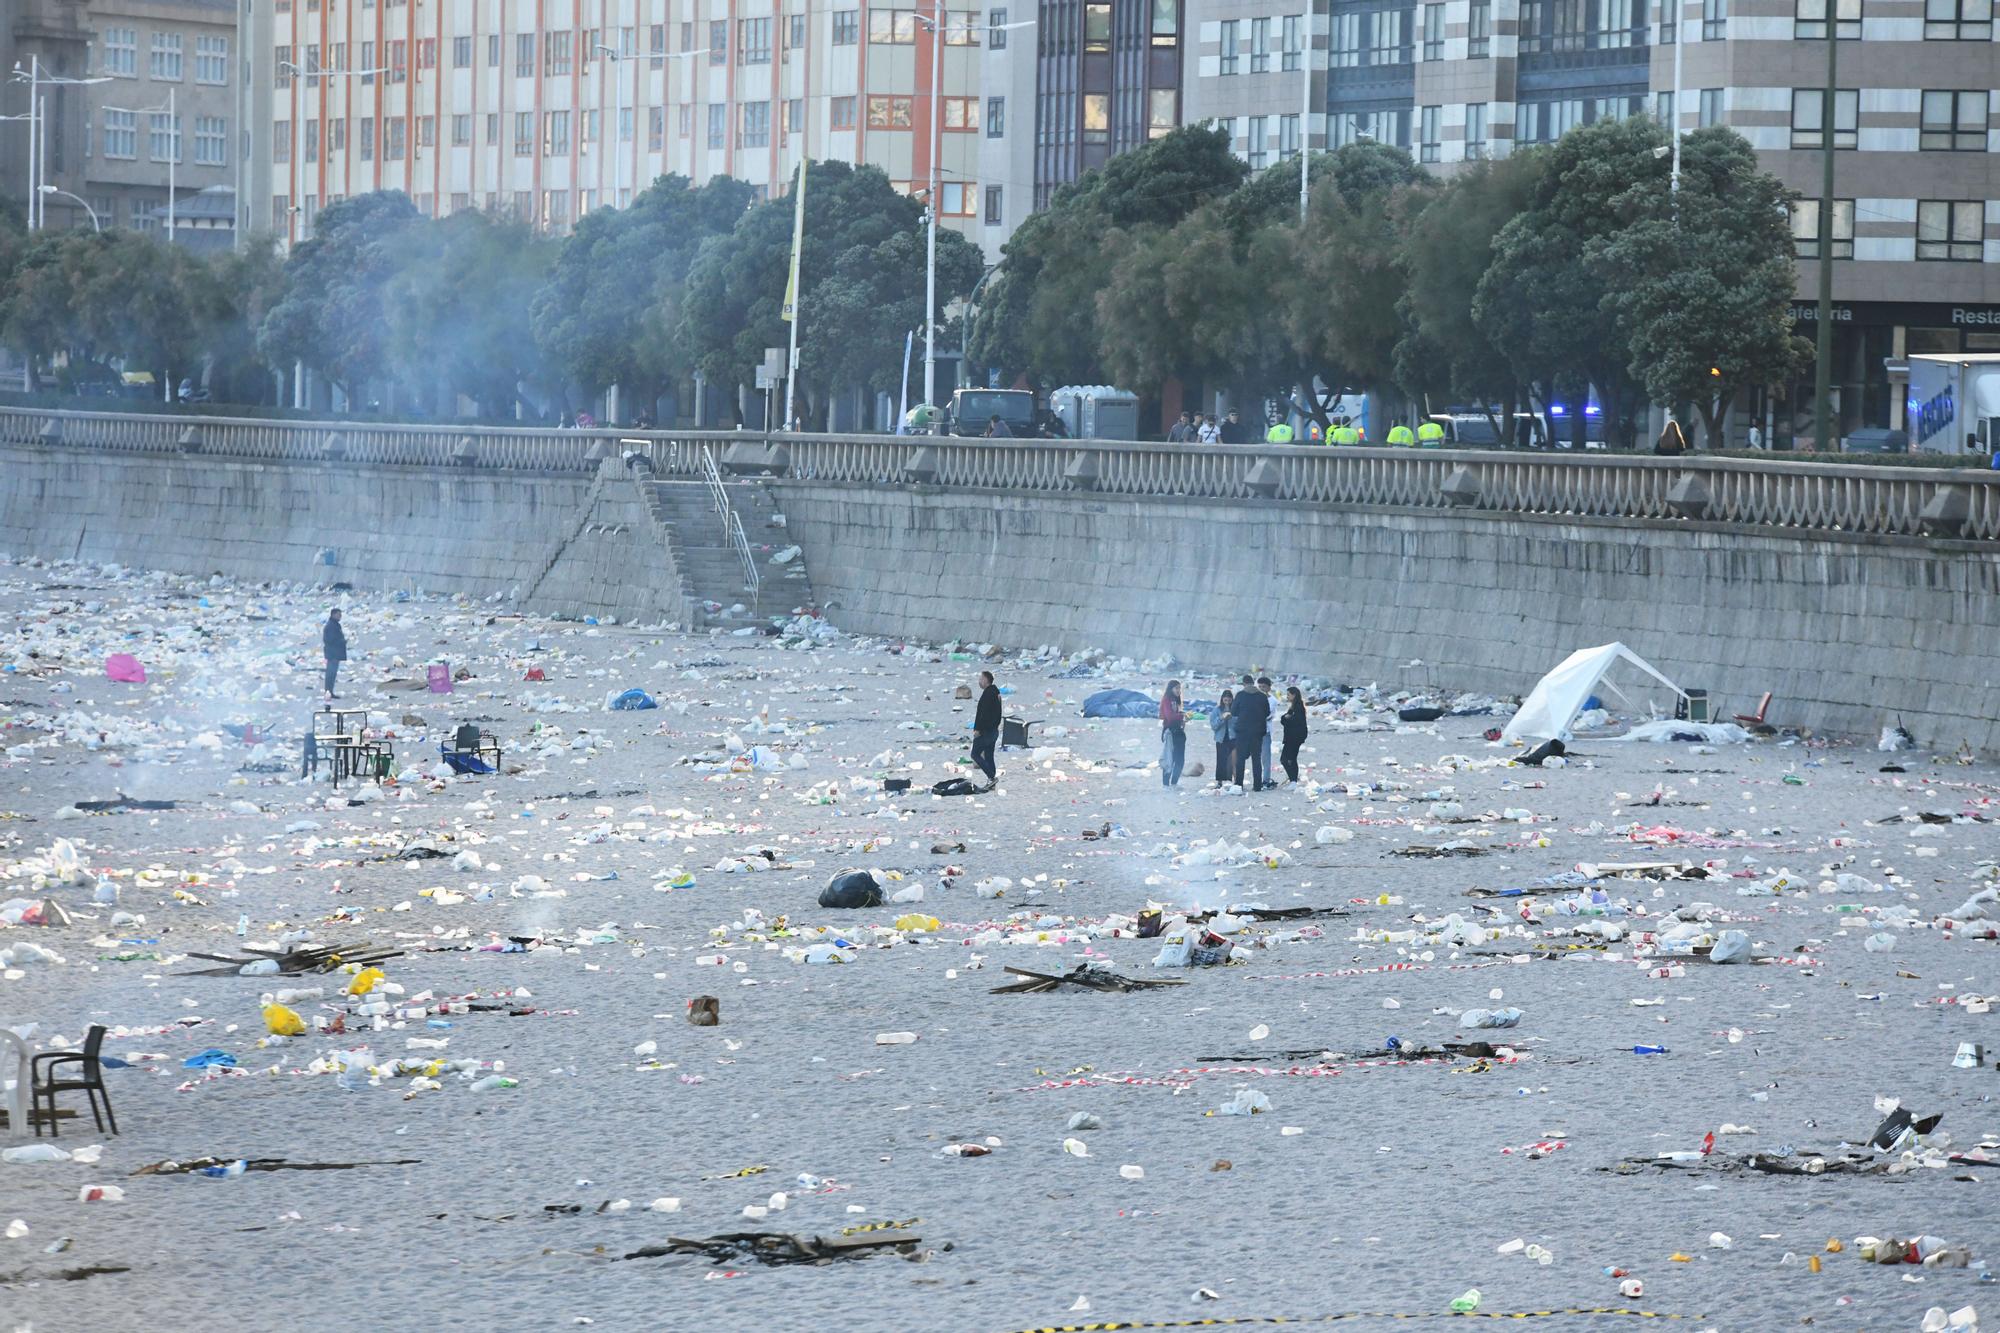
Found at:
<point>740,1175</point>
<point>1110,1326</point>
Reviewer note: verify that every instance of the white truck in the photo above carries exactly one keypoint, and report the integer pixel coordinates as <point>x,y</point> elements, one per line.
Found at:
<point>1953,404</point>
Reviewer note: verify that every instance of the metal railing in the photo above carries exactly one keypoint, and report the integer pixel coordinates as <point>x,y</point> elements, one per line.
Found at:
<point>1801,496</point>
<point>732,526</point>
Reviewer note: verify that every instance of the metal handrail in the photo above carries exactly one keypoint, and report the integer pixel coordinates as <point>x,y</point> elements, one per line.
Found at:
<point>732,526</point>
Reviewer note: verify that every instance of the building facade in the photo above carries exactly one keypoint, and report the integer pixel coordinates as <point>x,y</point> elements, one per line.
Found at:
<point>553,108</point>
<point>1108,78</point>
<point>1260,75</point>
<point>1007,66</point>
<point>152,107</point>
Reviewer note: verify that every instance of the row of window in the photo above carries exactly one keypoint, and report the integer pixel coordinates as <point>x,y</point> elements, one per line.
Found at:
<point>1948,230</point>
<point>1246,45</point>
<point>119,140</point>
<point>164,58</point>
<point>1056,30</point>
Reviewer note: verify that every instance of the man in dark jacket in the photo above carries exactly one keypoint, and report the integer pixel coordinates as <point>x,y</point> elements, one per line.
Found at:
<point>986,728</point>
<point>1252,711</point>
<point>334,640</point>
<point>1234,432</point>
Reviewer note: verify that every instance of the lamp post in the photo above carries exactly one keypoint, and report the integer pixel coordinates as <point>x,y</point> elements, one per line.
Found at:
<point>95,225</point>
<point>38,127</point>
<point>1823,426</point>
<point>1305,113</point>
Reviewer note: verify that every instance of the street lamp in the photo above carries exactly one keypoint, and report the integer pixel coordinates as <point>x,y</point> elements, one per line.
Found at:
<point>173,145</point>
<point>38,128</point>
<point>95,225</point>
<point>1306,112</point>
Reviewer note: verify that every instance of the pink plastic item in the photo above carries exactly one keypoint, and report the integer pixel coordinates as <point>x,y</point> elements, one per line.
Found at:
<point>125,667</point>
<point>439,674</point>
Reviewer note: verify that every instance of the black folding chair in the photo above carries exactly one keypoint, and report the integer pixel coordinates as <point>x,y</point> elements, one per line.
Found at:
<point>90,1083</point>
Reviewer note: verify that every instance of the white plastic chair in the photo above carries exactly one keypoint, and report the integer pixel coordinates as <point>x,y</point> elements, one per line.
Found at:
<point>14,1092</point>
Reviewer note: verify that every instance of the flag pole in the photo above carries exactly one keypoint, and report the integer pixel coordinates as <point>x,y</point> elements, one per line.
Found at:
<point>791,310</point>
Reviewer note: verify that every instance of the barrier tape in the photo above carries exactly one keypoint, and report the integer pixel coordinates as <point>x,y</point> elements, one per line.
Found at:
<point>1110,1326</point>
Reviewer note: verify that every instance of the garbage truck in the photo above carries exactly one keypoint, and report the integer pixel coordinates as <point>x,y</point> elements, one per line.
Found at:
<point>1953,404</point>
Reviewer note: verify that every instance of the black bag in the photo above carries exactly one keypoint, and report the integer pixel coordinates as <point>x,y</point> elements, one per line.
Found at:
<point>855,888</point>
<point>954,787</point>
<point>1546,750</point>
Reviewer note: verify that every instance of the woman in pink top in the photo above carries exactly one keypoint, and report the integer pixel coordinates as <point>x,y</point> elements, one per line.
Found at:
<point>1173,736</point>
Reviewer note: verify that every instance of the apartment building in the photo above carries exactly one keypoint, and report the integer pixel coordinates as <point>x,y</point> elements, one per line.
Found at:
<point>1259,76</point>
<point>553,108</point>
<point>1108,78</point>
<point>139,96</point>
<point>1915,123</point>
<point>1007,66</point>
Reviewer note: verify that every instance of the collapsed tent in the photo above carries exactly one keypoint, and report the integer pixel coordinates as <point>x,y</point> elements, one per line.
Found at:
<point>1120,703</point>
<point>1548,711</point>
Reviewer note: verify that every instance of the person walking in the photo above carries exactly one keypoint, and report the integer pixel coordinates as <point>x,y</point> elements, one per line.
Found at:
<point>1252,712</point>
<point>1223,723</point>
<point>1264,750</point>
<point>333,641</point>
<point>986,729</point>
<point>1181,431</point>
<point>1173,736</point>
<point>1207,431</point>
<point>1294,724</point>
<point>1232,430</point>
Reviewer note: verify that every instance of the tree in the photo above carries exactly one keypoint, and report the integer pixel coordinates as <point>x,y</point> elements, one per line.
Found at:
<point>250,281</point>
<point>1541,299</point>
<point>459,308</point>
<point>1446,251</point>
<point>1701,284</point>
<point>606,313</point>
<point>1040,313</point>
<point>861,284</point>
<point>331,315</point>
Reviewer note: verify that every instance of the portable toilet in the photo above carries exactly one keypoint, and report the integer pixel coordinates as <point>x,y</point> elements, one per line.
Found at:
<point>1066,406</point>
<point>1097,412</point>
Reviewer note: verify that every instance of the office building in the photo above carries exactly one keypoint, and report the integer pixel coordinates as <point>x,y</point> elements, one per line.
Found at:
<point>139,96</point>
<point>553,108</point>
<point>1259,77</point>
<point>1108,78</point>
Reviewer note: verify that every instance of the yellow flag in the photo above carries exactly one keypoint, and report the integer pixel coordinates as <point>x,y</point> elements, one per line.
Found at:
<point>791,310</point>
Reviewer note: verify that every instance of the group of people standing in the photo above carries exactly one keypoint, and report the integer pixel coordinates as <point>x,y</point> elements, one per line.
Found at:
<point>1242,723</point>
<point>1195,428</point>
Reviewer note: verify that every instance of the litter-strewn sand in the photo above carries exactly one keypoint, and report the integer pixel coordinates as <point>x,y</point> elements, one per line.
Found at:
<point>1393,1197</point>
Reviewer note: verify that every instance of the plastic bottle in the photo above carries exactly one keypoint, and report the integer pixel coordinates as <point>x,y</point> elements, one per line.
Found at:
<point>235,1168</point>
<point>242,925</point>
<point>1649,1050</point>
<point>1467,1303</point>
<point>493,1083</point>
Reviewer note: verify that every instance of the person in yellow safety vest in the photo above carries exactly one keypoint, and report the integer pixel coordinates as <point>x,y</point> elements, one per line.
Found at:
<point>1430,435</point>
<point>1401,437</point>
<point>1280,433</point>
<point>1346,434</point>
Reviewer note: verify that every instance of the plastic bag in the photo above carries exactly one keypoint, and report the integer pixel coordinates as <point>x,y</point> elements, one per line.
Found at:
<point>282,1021</point>
<point>855,888</point>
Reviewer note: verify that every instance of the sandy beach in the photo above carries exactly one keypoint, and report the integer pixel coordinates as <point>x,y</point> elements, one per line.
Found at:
<point>628,861</point>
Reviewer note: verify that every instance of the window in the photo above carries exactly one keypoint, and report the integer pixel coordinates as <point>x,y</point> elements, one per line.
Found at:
<point>625,124</point>
<point>461,131</point>
<point>427,53</point>
<point>336,56</point>
<point>1162,112</point>
<point>1096,118</point>
<point>1229,35</point>
<point>1958,20</point>
<point>656,43</point>
<point>846,27</point>
<point>1096,26</point>
<point>956,199</point>
<point>281,138</point>
<point>1545,122</point>
<point>995,210</point>
<point>996,117</point>
<point>1714,20</point>
<point>1663,110</point>
<point>165,60</point>
<point>397,57</point>
<point>892,27</point>
<point>460,201</point>
<point>211,141</point>
<point>555,209</point>
<point>492,51</point>
<point>961,29</point>
<point>336,136</point>
<point>366,146</point>
<point>211,60</point>
<point>1288,136</point>
<point>427,131</point>
<point>312,65</point>
<point>392,138</point>
<point>1258,145</point>
<point>555,134</point>
<point>718,42</point>
<point>1955,121</point>
<point>1954,230</point>
<point>683,121</point>
<point>311,145</point>
<point>461,53</point>
<point>1260,46</point>
<point>1430,146</point>
<point>1479,30</point>
<point>281,212</point>
<point>687,35</point>
<point>888,113</point>
<point>524,134</point>
<point>753,41</point>
<point>163,138</point>
<point>1434,32</point>
<point>656,127</point>
<point>524,55</point>
<point>961,113</point>
<point>1809,116</point>
<point>1710,112</point>
<point>840,113</point>
<point>718,125</point>
<point>589,124</point>
<point>558,53</point>
<point>1166,22</point>
<point>795,33</point>
<point>121,136</point>
<point>1805,226</point>
<point>121,51</point>
<point>1809,20</point>
<point>754,127</point>
<point>492,128</point>
<point>996,40</point>
<point>524,205</point>
<point>1390,38</point>
<point>795,116</point>
<point>367,62</point>
<point>1475,130</point>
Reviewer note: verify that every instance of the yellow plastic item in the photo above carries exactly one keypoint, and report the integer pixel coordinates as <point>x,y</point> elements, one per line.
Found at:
<point>1812,1262</point>
<point>916,921</point>
<point>1681,1258</point>
<point>1834,1246</point>
<point>282,1021</point>
<point>364,981</point>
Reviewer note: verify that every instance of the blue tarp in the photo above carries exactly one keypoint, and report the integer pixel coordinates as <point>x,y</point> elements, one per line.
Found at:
<point>1120,703</point>
<point>631,701</point>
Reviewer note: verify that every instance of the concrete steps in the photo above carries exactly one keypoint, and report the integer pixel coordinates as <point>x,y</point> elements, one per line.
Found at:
<point>711,569</point>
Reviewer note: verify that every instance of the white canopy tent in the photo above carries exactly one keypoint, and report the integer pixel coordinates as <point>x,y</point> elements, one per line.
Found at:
<point>1550,708</point>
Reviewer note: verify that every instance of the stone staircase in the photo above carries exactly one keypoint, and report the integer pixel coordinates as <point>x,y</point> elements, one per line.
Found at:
<point>710,569</point>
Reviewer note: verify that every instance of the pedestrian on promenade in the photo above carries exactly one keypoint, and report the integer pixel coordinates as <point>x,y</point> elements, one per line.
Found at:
<point>986,728</point>
<point>1264,750</point>
<point>1252,711</point>
<point>1173,736</point>
<point>333,640</point>
<point>1207,431</point>
<point>1223,723</point>
<point>1294,723</point>
<point>1181,431</point>
<point>1233,431</point>
<point>996,429</point>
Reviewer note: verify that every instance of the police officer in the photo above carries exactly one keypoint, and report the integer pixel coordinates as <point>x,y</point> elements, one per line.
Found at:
<point>1430,435</point>
<point>1401,437</point>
